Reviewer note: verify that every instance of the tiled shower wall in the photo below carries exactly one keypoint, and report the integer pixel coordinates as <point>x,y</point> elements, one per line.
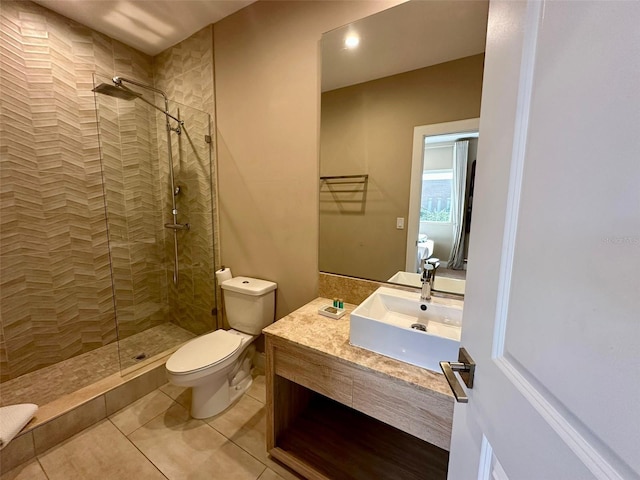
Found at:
<point>55,289</point>
<point>185,73</point>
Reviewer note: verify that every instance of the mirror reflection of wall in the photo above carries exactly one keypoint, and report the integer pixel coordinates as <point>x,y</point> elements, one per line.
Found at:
<point>367,123</point>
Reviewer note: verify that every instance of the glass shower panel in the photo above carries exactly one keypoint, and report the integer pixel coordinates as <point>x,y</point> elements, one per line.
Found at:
<point>154,315</point>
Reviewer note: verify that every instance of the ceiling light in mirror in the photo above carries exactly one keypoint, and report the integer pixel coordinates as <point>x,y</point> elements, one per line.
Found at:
<point>352,41</point>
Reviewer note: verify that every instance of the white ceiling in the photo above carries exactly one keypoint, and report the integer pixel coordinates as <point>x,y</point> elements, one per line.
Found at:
<point>151,26</point>
<point>412,35</point>
<point>409,36</point>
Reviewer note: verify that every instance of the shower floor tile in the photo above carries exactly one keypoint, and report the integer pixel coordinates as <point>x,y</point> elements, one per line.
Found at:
<point>165,444</point>
<point>50,383</point>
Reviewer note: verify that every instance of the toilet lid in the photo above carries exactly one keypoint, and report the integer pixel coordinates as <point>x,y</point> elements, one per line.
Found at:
<point>204,352</point>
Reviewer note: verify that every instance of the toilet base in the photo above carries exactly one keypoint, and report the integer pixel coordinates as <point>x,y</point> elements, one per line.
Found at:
<point>239,390</point>
<point>212,398</point>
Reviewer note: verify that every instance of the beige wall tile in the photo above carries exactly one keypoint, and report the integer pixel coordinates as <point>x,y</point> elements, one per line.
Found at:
<point>27,471</point>
<point>5,373</point>
<point>100,452</point>
<point>18,451</point>
<point>59,429</point>
<point>128,393</point>
<point>351,290</point>
<point>56,297</point>
<point>185,73</point>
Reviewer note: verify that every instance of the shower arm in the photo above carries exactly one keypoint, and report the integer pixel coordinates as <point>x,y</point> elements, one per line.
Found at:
<point>118,81</point>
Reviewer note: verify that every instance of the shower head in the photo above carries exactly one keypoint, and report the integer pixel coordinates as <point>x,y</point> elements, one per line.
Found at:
<point>119,91</point>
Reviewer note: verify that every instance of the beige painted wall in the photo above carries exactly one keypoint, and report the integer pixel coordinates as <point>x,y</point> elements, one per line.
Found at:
<point>368,128</point>
<point>267,82</point>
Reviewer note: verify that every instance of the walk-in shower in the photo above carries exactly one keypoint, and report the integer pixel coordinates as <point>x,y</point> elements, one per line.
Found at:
<point>157,171</point>
<point>110,259</point>
<point>121,91</point>
<point>87,265</point>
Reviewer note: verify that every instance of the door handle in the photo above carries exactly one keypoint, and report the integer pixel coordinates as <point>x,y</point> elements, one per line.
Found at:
<point>466,367</point>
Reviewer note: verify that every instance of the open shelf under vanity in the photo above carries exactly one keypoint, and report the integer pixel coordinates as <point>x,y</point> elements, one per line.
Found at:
<point>338,442</point>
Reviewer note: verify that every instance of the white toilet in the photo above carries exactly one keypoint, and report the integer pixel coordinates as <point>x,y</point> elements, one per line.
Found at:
<point>218,365</point>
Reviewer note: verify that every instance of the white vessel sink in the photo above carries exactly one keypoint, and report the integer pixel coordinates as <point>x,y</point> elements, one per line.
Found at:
<point>387,322</point>
<point>406,278</point>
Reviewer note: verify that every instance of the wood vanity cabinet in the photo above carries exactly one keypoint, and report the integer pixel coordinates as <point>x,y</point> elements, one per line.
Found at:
<point>328,418</point>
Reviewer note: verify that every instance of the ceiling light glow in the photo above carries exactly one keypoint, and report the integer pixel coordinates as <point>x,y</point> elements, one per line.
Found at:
<point>352,41</point>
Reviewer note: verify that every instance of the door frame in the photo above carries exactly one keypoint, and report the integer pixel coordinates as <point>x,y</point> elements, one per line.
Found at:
<point>417,162</point>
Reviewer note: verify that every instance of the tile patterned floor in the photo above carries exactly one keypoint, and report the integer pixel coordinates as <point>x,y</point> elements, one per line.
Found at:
<point>154,438</point>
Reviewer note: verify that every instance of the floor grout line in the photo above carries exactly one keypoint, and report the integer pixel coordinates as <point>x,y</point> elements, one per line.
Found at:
<point>200,420</point>
<point>145,423</point>
<point>42,467</point>
<point>245,449</point>
<point>136,447</point>
<point>172,404</point>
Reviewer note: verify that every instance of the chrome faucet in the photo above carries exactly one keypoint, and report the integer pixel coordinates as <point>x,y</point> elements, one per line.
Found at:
<point>427,279</point>
<point>436,263</point>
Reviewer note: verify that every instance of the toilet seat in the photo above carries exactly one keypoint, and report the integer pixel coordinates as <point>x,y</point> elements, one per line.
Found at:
<point>204,352</point>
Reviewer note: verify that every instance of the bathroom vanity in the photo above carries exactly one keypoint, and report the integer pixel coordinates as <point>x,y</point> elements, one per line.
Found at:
<point>339,411</point>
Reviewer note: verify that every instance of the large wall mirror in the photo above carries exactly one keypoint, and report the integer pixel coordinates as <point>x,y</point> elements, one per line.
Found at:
<point>400,92</point>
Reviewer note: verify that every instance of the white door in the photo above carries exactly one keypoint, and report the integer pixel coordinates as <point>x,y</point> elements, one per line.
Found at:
<point>552,311</point>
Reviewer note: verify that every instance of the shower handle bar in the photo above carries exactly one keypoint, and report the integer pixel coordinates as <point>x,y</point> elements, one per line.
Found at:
<point>177,226</point>
<point>174,210</point>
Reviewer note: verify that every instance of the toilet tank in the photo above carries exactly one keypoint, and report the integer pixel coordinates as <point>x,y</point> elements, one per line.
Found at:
<point>249,303</point>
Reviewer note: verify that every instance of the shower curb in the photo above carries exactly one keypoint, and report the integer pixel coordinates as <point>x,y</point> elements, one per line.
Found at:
<point>69,415</point>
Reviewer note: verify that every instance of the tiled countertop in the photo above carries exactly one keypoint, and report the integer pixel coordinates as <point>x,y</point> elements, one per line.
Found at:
<point>307,328</point>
